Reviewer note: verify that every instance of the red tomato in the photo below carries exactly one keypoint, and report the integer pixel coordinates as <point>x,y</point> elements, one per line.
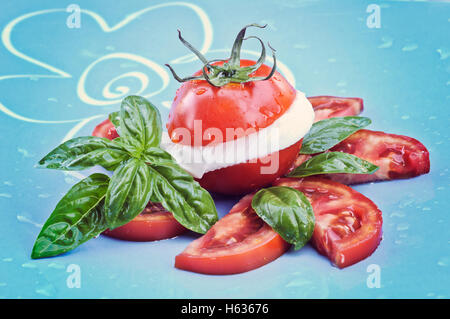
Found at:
<point>105,129</point>
<point>348,224</point>
<point>252,105</point>
<point>246,177</point>
<point>333,106</point>
<point>397,156</point>
<point>154,223</point>
<point>237,243</point>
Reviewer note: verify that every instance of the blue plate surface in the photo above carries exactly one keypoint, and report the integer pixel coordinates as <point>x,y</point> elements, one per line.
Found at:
<point>57,82</point>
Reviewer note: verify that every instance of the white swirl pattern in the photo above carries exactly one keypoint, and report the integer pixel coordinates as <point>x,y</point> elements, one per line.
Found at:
<point>111,94</point>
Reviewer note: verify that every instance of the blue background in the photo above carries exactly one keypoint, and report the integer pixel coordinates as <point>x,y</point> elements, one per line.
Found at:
<point>402,70</point>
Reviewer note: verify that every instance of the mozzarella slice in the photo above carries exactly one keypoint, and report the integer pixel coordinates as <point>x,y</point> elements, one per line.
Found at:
<point>285,131</point>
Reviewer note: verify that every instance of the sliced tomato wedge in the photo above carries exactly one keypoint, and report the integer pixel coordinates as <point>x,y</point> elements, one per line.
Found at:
<point>237,243</point>
<point>397,156</point>
<point>348,224</point>
<point>154,223</point>
<point>333,106</point>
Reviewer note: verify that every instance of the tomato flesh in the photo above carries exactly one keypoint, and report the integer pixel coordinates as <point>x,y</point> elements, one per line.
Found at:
<point>348,224</point>
<point>246,177</point>
<point>237,243</point>
<point>333,106</point>
<point>397,156</point>
<point>154,223</point>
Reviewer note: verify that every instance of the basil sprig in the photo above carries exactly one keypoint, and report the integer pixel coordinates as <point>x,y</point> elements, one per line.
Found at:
<point>143,172</point>
<point>332,163</point>
<point>287,211</point>
<point>325,134</point>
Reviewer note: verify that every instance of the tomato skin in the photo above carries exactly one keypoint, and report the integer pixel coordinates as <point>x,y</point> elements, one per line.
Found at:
<point>105,129</point>
<point>148,227</point>
<point>246,177</point>
<point>261,246</point>
<point>154,223</point>
<point>251,105</point>
<point>332,106</point>
<point>348,225</point>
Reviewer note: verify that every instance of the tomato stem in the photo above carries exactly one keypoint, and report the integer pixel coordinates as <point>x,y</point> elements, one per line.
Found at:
<point>230,70</point>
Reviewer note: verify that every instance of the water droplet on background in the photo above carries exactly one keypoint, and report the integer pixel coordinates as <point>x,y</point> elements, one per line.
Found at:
<point>386,43</point>
<point>410,47</point>
<point>444,53</point>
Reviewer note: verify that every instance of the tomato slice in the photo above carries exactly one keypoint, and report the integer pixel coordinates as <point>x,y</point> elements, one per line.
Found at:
<point>237,243</point>
<point>105,129</point>
<point>333,106</point>
<point>348,224</point>
<point>154,223</point>
<point>397,156</point>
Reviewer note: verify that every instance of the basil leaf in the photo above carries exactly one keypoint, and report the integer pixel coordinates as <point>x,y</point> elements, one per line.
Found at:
<point>333,162</point>
<point>114,118</point>
<point>83,152</point>
<point>140,123</point>
<point>77,218</point>
<point>287,211</point>
<point>325,134</point>
<point>128,192</point>
<point>191,205</point>
<point>156,155</point>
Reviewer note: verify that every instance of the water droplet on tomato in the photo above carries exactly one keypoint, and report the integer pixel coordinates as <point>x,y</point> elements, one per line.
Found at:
<point>200,91</point>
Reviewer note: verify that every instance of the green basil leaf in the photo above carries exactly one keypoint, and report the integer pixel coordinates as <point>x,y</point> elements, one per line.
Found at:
<point>140,123</point>
<point>156,155</point>
<point>287,211</point>
<point>77,218</point>
<point>128,192</point>
<point>325,134</point>
<point>191,205</point>
<point>114,117</point>
<point>333,162</point>
<point>83,152</point>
